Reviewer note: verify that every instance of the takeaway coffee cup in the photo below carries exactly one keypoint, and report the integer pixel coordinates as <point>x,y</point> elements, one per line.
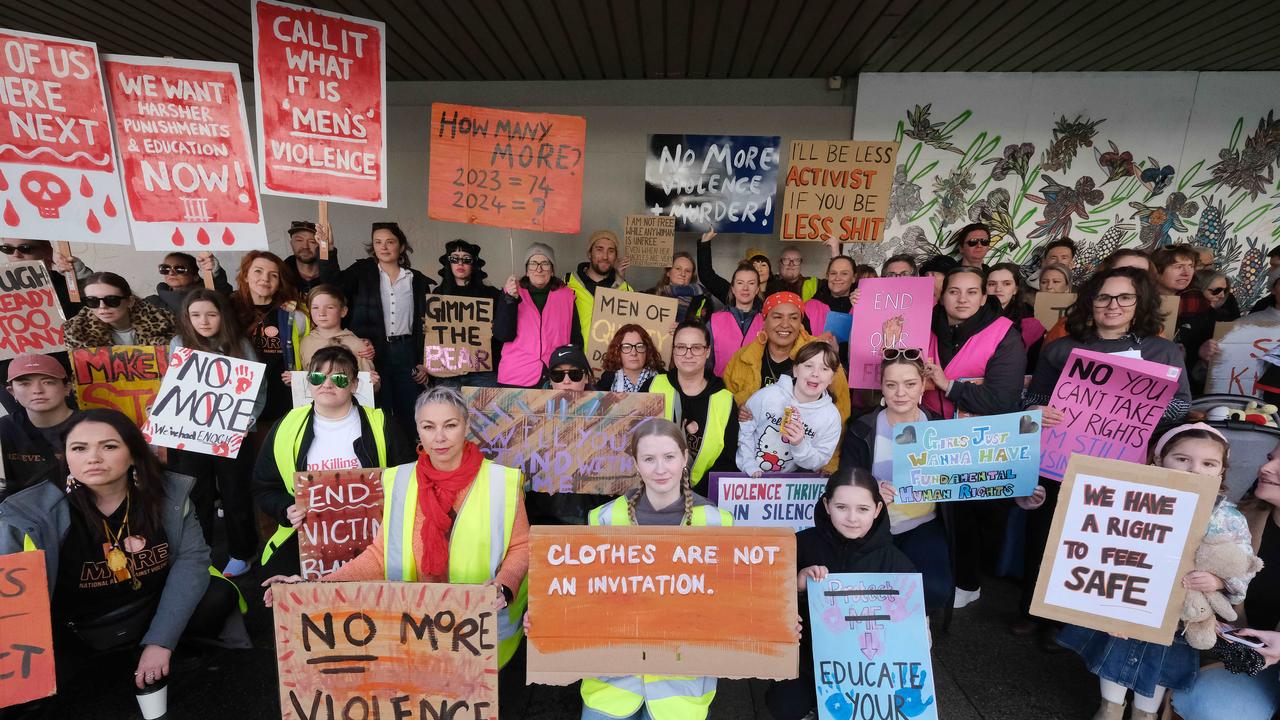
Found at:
<point>154,700</point>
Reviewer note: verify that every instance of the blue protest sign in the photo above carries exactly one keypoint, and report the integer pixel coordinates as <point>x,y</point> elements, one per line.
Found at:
<point>871,647</point>
<point>724,183</point>
<point>973,458</point>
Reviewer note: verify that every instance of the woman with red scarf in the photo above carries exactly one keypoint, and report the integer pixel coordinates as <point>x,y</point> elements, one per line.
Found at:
<point>451,516</point>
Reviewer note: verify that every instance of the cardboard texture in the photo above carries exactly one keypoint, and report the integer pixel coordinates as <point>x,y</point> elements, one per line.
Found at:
<point>459,334</point>
<point>343,516</point>
<point>651,591</point>
<point>563,441</point>
<point>989,457</point>
<point>871,646</point>
<point>188,186</point>
<point>205,403</point>
<point>386,650</point>
<point>58,162</point>
<point>837,188</point>
<point>321,85</point>
<point>649,240</point>
<point>1052,307</point>
<point>615,308</point>
<point>506,168</point>
<point>725,183</point>
<point>1243,344</point>
<point>119,377</point>
<point>775,500</point>
<point>301,389</point>
<point>26,660</point>
<point>1123,536</point>
<point>30,315</point>
<point>891,312</point>
<point>1111,404</point>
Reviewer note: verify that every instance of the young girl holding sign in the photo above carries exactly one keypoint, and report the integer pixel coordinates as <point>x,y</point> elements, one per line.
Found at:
<point>850,534</point>
<point>793,424</point>
<point>207,323</point>
<point>1148,669</point>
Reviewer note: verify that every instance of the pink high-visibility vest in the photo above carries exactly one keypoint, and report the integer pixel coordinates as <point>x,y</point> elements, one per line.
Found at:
<point>970,362</point>
<point>538,334</point>
<point>728,339</point>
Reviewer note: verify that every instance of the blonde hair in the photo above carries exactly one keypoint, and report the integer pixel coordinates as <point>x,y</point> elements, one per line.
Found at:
<point>661,427</point>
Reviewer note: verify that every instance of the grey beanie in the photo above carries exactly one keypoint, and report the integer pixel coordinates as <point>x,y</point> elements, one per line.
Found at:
<point>540,249</point>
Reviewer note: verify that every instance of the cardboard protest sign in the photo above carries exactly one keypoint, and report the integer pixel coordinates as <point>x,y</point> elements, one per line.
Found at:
<point>459,333</point>
<point>893,313</point>
<point>615,308</point>
<point>386,650</point>
<point>119,377</point>
<point>321,85</point>
<point>724,183</point>
<point>1123,536</point>
<point>30,315</point>
<point>343,516</point>
<point>301,389</point>
<point>184,149</point>
<point>871,646</point>
<point>1243,345</point>
<point>563,441</point>
<point>506,168</point>
<point>650,592</point>
<point>975,458</point>
<point>649,240</point>
<point>205,404</point>
<point>26,652</point>
<point>775,500</point>
<point>58,172</point>
<point>1111,405</point>
<point>838,188</point>
<point>1052,307</point>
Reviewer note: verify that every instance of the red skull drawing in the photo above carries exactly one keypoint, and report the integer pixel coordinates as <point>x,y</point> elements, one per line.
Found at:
<point>46,191</point>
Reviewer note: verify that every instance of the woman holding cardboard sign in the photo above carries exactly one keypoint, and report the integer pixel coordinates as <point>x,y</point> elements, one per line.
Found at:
<point>462,273</point>
<point>540,317</point>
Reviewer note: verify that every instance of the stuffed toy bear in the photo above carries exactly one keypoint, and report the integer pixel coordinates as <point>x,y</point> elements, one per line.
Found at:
<point>1224,559</point>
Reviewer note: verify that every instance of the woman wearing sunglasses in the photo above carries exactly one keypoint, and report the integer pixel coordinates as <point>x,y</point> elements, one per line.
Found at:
<point>1116,311</point>
<point>568,370</point>
<point>1216,287</point>
<point>113,315</point>
<point>332,433</point>
<point>971,244</point>
<point>630,361</point>
<point>180,274</point>
<point>462,273</point>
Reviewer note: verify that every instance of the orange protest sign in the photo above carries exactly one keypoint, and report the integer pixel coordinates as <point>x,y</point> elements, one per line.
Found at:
<point>386,650</point>
<point>26,637</point>
<point>119,377</point>
<point>506,168</point>
<point>648,593</point>
<point>838,188</point>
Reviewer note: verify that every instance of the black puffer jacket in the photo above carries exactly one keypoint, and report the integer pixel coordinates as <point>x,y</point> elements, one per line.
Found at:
<point>1001,387</point>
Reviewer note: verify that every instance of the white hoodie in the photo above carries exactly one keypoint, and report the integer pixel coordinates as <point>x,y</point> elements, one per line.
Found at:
<point>760,445</point>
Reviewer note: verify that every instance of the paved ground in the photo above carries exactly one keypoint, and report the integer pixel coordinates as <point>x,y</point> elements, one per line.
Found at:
<point>982,671</point>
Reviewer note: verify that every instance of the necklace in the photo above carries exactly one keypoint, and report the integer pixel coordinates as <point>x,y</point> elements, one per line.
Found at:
<point>118,562</point>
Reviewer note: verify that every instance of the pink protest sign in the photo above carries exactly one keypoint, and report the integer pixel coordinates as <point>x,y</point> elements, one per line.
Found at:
<point>184,148</point>
<point>1111,404</point>
<point>58,172</point>
<point>891,312</point>
<point>321,82</point>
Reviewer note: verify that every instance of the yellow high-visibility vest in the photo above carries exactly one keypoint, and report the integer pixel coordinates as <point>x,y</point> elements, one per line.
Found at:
<point>719,409</point>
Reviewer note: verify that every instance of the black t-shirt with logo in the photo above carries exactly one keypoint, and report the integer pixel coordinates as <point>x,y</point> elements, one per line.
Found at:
<point>86,588</point>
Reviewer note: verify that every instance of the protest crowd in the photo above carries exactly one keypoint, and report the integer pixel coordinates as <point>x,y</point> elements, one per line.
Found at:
<point>870,441</point>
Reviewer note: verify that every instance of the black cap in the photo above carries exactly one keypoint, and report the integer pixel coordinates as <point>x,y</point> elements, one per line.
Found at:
<point>568,355</point>
<point>300,225</point>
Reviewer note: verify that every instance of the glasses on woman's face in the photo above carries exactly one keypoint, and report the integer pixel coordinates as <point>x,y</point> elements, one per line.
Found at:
<point>632,348</point>
<point>1123,300</point>
<point>340,380</point>
<point>24,248</point>
<point>572,375</point>
<point>906,354</point>
<point>538,265</point>
<point>111,301</point>
<point>689,349</point>
<point>1216,290</point>
<point>460,260</point>
<point>975,242</point>
<point>166,269</point>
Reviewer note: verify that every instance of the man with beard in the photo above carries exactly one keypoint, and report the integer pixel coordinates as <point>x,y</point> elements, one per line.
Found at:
<point>602,269</point>
<point>308,269</point>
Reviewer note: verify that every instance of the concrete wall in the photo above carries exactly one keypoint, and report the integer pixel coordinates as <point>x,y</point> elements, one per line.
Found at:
<point>620,115</point>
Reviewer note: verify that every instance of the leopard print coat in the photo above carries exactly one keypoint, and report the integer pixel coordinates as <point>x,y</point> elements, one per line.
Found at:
<point>154,326</point>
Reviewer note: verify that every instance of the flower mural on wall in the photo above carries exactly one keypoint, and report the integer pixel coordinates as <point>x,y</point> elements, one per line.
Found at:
<point>904,198</point>
<point>1156,223</point>
<point>1016,161</point>
<point>930,133</point>
<point>994,211</point>
<point>951,191</point>
<point>1251,169</point>
<point>1068,137</point>
<point>1118,165</point>
<point>1060,203</point>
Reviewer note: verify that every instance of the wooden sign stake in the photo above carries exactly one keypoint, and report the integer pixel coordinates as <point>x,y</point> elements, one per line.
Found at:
<point>73,288</point>
<point>324,234</point>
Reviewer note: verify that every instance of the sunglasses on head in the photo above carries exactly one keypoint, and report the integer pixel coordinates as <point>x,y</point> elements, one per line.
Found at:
<point>460,260</point>
<point>24,248</point>
<point>340,380</point>
<point>573,375</point>
<point>111,301</point>
<point>166,268</point>
<point>976,243</point>
<point>895,353</point>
